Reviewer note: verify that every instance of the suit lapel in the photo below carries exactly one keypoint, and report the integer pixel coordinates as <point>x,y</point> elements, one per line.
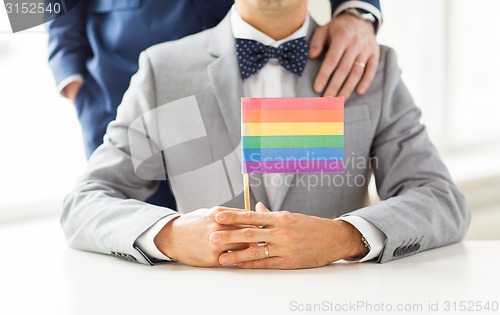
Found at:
<point>228,88</point>
<point>225,78</point>
<point>305,82</point>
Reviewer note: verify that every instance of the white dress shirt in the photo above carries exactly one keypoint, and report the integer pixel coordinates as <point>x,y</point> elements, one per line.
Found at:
<point>271,81</point>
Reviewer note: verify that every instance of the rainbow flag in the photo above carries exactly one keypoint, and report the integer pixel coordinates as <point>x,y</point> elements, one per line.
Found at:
<point>292,135</point>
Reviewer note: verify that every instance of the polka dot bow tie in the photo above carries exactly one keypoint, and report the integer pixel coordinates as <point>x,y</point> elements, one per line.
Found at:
<point>252,55</point>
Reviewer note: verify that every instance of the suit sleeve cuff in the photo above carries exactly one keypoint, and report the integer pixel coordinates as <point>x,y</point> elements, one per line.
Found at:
<point>69,79</point>
<point>357,4</point>
<point>146,241</point>
<point>371,233</point>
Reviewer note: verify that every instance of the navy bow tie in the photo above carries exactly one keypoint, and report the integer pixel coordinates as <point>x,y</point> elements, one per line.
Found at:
<point>252,55</point>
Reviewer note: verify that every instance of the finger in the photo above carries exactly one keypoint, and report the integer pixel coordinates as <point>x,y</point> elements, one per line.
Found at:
<point>244,217</point>
<point>240,236</point>
<point>341,73</point>
<point>234,227</point>
<point>266,263</point>
<point>236,247</point>
<point>260,207</point>
<point>318,41</point>
<point>218,209</point>
<point>371,69</point>
<point>249,254</point>
<point>328,65</point>
<point>357,71</point>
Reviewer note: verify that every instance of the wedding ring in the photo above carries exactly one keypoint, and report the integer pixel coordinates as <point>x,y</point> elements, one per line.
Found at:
<point>359,63</point>
<point>266,251</point>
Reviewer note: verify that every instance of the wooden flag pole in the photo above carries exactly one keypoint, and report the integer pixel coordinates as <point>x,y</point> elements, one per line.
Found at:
<point>246,191</point>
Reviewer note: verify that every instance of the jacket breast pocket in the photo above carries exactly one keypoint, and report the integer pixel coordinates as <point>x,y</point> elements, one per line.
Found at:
<point>108,6</point>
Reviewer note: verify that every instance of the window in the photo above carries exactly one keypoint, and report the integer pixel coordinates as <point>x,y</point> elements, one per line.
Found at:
<point>41,148</point>
<point>447,51</point>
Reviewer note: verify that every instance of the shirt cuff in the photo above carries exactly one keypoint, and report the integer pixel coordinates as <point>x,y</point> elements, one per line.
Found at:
<point>146,241</point>
<point>370,232</point>
<point>360,5</point>
<point>70,79</point>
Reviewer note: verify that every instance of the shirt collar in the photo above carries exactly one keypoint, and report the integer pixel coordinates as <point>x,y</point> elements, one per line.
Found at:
<point>243,30</point>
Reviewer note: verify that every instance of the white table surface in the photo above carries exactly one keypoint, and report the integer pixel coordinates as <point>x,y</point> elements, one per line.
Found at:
<point>39,274</point>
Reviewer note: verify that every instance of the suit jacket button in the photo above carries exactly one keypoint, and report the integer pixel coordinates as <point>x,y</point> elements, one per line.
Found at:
<point>414,248</point>
<point>397,252</point>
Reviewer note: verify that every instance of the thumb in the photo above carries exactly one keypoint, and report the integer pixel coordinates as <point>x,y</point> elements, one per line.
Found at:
<point>318,41</point>
<point>260,207</point>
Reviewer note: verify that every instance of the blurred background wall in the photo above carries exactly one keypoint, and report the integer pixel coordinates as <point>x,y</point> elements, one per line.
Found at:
<point>448,52</point>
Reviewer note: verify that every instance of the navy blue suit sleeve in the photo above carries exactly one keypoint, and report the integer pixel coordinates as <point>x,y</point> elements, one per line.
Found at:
<point>68,45</point>
<point>337,3</point>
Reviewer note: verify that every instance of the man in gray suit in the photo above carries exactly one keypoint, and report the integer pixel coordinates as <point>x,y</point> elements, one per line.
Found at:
<point>180,120</point>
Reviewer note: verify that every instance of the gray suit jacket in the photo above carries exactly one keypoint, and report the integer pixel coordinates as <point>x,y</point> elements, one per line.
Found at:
<point>194,141</point>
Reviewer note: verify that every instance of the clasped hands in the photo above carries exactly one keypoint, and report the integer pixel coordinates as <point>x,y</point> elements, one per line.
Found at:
<point>227,236</point>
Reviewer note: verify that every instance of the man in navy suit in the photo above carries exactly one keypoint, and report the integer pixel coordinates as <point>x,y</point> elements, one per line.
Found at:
<point>94,49</point>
